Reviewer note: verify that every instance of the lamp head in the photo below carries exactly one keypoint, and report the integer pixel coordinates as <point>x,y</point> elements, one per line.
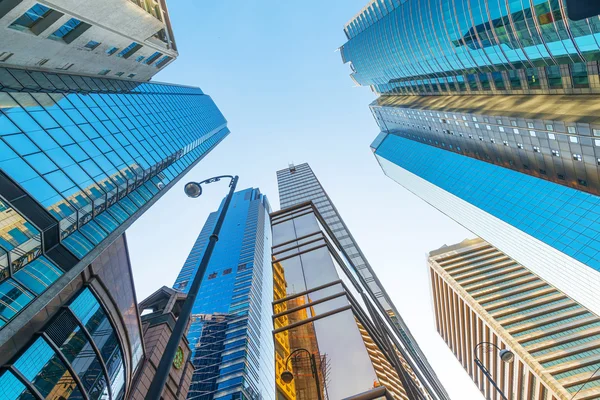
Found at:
<point>193,189</point>
<point>507,356</point>
<point>287,376</point>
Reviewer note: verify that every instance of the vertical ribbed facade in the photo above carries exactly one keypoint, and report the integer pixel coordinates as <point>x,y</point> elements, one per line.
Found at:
<point>230,332</point>
<point>298,184</point>
<point>482,295</point>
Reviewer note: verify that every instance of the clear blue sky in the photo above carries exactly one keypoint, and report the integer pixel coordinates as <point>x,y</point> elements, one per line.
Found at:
<point>272,68</point>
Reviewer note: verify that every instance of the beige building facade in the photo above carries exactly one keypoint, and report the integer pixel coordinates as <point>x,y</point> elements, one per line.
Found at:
<point>480,295</point>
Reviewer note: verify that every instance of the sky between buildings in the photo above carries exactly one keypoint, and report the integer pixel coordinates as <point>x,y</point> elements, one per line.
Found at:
<point>273,70</point>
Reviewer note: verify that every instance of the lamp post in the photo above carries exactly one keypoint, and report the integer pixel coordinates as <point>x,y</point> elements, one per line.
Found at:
<point>505,355</point>
<point>192,189</point>
<point>287,376</point>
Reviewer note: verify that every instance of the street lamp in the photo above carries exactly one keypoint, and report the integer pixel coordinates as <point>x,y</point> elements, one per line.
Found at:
<point>506,356</point>
<point>192,189</point>
<point>287,376</point>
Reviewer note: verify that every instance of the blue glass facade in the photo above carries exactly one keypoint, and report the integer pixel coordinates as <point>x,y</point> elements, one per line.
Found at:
<point>77,352</point>
<point>80,159</point>
<point>230,334</point>
<point>416,47</point>
<point>564,218</point>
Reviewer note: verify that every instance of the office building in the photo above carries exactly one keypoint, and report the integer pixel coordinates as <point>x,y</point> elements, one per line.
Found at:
<point>122,39</point>
<point>481,47</point>
<point>482,295</point>
<point>159,313</point>
<point>86,342</point>
<point>80,159</point>
<point>298,184</point>
<point>489,114</point>
<point>230,332</point>
<point>330,333</point>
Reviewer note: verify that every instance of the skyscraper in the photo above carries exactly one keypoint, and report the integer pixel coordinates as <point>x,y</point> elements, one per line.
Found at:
<point>520,171</point>
<point>118,38</point>
<point>298,184</point>
<point>81,158</point>
<point>482,295</point>
<point>329,333</point>
<point>230,332</point>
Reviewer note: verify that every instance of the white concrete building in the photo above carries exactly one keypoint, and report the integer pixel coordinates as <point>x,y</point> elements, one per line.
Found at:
<point>127,39</point>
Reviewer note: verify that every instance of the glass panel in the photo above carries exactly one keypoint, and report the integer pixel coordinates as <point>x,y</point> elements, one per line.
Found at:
<point>42,367</point>
<point>579,75</point>
<point>38,275</point>
<point>12,298</point>
<point>31,17</point>
<point>67,335</point>
<point>12,389</point>
<point>64,30</point>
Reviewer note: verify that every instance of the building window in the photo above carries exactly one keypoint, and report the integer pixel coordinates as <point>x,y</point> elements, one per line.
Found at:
<point>533,79</point>
<point>514,79</point>
<point>520,145</point>
<point>42,61</point>
<point>530,125</point>
<point>131,75</point>
<point>536,149</point>
<point>579,75</point>
<point>104,72</point>
<point>549,128</point>
<point>551,136</point>
<point>498,80</point>
<point>572,129</point>
<point>92,45</point>
<point>513,122</point>
<point>212,276</point>
<point>597,142</point>
<point>64,30</point>
<point>532,133</point>
<point>112,51</point>
<point>129,50</point>
<point>31,17</point>
<point>489,128</point>
<point>5,55</point>
<point>554,77</point>
<point>573,139</point>
<point>227,271</point>
<point>153,58</point>
<point>119,73</point>
<point>596,132</point>
<point>493,140</point>
<point>163,61</point>
<point>505,142</point>
<point>525,166</point>
<point>561,177</point>
<point>139,59</point>
<point>542,171</point>
<point>501,128</point>
<point>555,153</point>
<point>242,267</point>
<point>577,157</point>
<point>582,182</point>
<point>515,130</point>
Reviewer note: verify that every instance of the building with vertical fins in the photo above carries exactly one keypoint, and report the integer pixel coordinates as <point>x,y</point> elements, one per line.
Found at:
<point>482,295</point>
<point>488,113</point>
<point>131,40</point>
<point>298,184</point>
<point>230,332</point>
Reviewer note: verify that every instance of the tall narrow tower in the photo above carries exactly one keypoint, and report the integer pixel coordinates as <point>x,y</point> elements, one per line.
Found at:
<point>230,332</point>
<point>298,184</point>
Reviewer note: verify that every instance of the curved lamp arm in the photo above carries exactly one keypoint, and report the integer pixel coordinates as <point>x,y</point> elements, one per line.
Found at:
<point>485,343</point>
<point>217,179</point>
<point>287,361</point>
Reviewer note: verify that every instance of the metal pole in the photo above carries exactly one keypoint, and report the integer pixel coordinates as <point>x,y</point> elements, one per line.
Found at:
<point>164,367</point>
<point>485,370</point>
<point>316,375</point>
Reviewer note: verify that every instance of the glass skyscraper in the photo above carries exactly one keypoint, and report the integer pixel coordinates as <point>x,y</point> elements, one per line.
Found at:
<point>488,112</point>
<point>298,184</point>
<point>230,333</point>
<point>81,158</point>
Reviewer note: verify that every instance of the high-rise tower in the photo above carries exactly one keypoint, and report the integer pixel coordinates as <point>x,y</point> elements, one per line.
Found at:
<point>298,184</point>
<point>81,159</point>
<point>230,332</point>
<point>126,39</point>
<point>481,296</point>
<point>488,112</point>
